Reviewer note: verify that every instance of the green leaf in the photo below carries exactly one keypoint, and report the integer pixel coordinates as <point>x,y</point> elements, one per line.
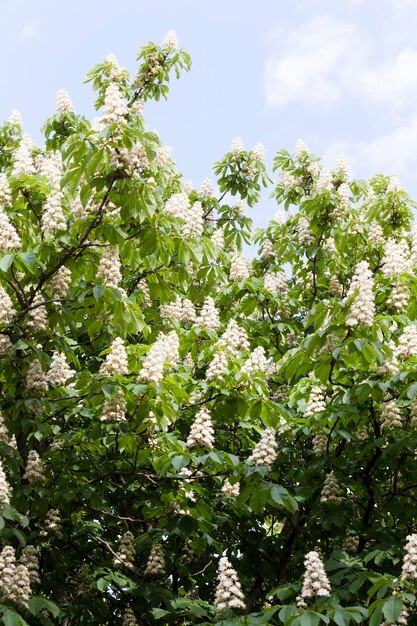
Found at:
<point>38,604</point>
<point>392,608</point>
<point>10,618</point>
<point>5,262</point>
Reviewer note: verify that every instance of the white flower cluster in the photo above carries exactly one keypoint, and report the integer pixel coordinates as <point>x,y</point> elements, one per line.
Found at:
<point>390,416</point>
<point>60,282</point>
<point>109,268</point>
<point>301,149</point>
<point>330,493</point>
<point>194,222</point>
<point>399,297</point>
<point>324,181</point>
<point>115,71</point>
<point>53,218</point>
<point>170,42</point>
<point>14,578</point>
<point>30,559</point>
<point>305,235</point>
<point>230,490</point>
<point>162,156</point>
<point>156,561</point>
<point>414,244</point>
<point>114,409</point>
<point>209,315</point>
<point>179,310</point>
<point>5,344</point>
<point>343,192</point>
<point>393,185</point>
<point>5,489</point>
<point>129,618</point>
<point>396,258</point>
<point>316,402</point>
<point>407,342</point>
<point>275,282</point>
<point>335,287</point>
<point>37,319</point>
<point>237,145</point>
<point>114,107</point>
<point>52,525</point>
<point>116,361</point>
<point>59,370</point>
<point>218,238</point>
<point>288,180</point>
<point>51,168</point>
<point>265,451</point>
<point>207,188</point>
<point>258,152</point>
<point>240,267</point>
<point>15,118</point>
<point>315,581</point>
<point>36,379</point>
<point>131,160</point>
<point>218,366</point>
<point>143,286</point>
<point>34,468</point>
<point>256,362</point>
<point>164,350</point>
<point>376,234</point>
<point>351,543</point>
<point>342,167</point>
<point>5,191</point>
<point>319,442</point>
<point>362,309</point>
<point>228,591</point>
<point>178,205</point>
<point>7,309</point>
<point>234,338</point>
<point>63,102</point>
<point>409,569</point>
<point>126,552</point>
<point>22,157</point>
<point>4,433</point>
<point>201,431</point>
<point>267,249</point>
<point>9,238</point>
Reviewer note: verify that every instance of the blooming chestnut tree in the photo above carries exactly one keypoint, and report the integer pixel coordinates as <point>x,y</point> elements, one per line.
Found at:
<point>187,435</point>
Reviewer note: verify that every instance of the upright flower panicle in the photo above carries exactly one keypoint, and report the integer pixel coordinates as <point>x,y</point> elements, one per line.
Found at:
<point>228,591</point>
<point>116,361</point>
<point>362,309</point>
<point>202,431</point>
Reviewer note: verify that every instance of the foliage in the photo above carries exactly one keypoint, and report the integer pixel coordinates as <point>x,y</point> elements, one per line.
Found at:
<point>112,426</point>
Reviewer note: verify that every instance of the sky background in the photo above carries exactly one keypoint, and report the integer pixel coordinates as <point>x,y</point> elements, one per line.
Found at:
<point>340,74</point>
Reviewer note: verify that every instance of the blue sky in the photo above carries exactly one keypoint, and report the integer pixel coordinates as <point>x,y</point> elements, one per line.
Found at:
<point>342,75</point>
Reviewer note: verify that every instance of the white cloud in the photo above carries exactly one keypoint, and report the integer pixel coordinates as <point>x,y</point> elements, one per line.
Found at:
<point>30,30</point>
<point>326,60</point>
<point>308,65</point>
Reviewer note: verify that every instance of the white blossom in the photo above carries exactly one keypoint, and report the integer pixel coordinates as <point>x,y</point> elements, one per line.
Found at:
<point>156,561</point>
<point>407,342</point>
<point>316,402</point>
<point>164,350</point>
<point>60,282</point>
<point>125,555</point>
<point>5,191</point>
<point>265,451</point>
<point>201,431</point>
<point>207,188</point>
<point>228,591</point>
<point>234,338</point>
<point>230,490</point>
<point>63,102</point>
<point>52,525</point>
<point>36,378</point>
<point>376,234</point>
<point>305,235</point>
<point>330,493</point>
<point>256,362</point>
<point>9,238</point>
<point>170,42</point>
<point>315,582</point>
<point>218,366</point>
<point>343,192</point>
<point>163,154</point>
<point>258,152</point>
<point>5,489</point>
<point>7,309</point>
<point>237,145</point>
<point>209,316</point>
<point>362,309</point>
<point>109,269</point>
<point>396,259</point>
<point>53,218</point>
<point>240,268</point>
<point>325,181</point>
<point>342,167</point>
<point>178,205</point>
<point>22,157</point>
<point>194,222</point>
<point>15,118</point>
<point>59,370</point>
<point>34,468</point>
<point>30,559</point>
<point>409,569</point>
<point>37,319</point>
<point>114,409</point>
<point>116,361</point>
<point>390,416</point>
<point>301,149</point>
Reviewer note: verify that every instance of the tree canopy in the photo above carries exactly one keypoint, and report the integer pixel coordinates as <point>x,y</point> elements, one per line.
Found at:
<point>187,435</point>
